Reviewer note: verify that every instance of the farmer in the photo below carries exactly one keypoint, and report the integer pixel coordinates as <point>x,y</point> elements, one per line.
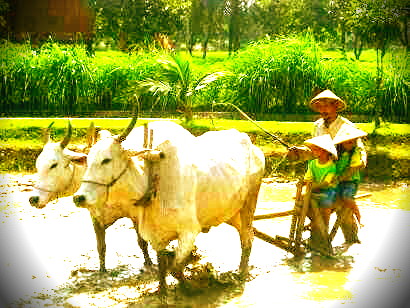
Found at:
<point>321,185</point>
<point>329,105</point>
<point>348,168</point>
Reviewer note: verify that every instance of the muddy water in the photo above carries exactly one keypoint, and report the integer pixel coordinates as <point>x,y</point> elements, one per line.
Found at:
<point>48,258</point>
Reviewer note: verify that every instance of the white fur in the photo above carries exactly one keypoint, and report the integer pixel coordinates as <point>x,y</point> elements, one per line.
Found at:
<point>203,181</point>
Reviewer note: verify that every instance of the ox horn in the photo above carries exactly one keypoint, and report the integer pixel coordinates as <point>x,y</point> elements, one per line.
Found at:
<point>127,131</point>
<point>67,137</point>
<point>45,134</point>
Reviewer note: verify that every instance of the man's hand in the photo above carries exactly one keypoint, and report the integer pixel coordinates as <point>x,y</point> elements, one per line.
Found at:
<point>297,153</point>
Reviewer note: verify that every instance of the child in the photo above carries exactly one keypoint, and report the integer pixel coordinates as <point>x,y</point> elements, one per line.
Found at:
<point>348,167</point>
<point>321,176</point>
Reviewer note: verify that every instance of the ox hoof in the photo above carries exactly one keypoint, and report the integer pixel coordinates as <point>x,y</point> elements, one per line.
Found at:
<point>34,200</point>
<point>79,199</point>
<point>178,275</point>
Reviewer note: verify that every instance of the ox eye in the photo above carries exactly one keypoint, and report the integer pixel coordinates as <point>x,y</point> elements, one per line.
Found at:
<point>106,161</point>
<point>53,166</point>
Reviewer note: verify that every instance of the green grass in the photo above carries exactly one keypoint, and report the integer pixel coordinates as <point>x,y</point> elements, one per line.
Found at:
<point>285,128</point>
<point>26,132</point>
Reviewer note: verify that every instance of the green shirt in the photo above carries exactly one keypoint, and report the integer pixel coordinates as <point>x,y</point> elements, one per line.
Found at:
<point>320,173</point>
<point>344,163</point>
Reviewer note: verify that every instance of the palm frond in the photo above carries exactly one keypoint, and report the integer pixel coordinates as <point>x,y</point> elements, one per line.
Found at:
<point>152,86</point>
<point>209,78</point>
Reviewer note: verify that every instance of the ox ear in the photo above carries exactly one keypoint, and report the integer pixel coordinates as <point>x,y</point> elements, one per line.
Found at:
<point>80,160</point>
<point>149,155</point>
<point>102,134</point>
<point>91,135</point>
<point>75,157</point>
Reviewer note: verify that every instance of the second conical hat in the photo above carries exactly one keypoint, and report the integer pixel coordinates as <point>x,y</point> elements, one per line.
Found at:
<point>325,142</point>
<point>329,95</point>
<point>348,132</point>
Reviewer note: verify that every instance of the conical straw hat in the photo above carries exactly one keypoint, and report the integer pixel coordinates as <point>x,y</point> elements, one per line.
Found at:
<point>329,95</point>
<point>348,132</point>
<point>325,142</point>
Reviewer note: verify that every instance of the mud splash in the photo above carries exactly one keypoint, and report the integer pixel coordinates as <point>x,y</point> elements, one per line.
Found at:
<point>48,258</point>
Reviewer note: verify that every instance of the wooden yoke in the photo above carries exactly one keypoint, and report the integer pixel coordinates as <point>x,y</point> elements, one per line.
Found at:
<point>148,161</point>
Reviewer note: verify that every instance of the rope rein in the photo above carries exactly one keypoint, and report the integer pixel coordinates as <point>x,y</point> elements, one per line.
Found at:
<point>255,123</point>
<point>110,183</point>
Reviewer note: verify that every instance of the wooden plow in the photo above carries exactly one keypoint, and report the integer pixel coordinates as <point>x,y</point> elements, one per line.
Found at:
<point>294,243</point>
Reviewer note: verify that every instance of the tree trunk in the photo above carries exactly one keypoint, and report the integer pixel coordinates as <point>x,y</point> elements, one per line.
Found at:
<point>234,27</point>
<point>205,45</point>
<point>357,45</point>
<point>343,37</point>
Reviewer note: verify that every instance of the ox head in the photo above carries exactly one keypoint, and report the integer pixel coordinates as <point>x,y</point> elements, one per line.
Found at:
<point>112,174</point>
<point>59,170</point>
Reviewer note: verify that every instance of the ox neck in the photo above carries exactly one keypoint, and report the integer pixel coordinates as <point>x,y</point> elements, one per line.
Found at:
<point>78,172</point>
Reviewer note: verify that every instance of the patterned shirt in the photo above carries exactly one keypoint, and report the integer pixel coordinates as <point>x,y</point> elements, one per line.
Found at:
<point>345,162</point>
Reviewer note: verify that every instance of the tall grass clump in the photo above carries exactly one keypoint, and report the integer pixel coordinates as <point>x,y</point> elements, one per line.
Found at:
<point>63,79</point>
<point>351,81</point>
<point>275,75</point>
<point>395,88</point>
<point>14,78</point>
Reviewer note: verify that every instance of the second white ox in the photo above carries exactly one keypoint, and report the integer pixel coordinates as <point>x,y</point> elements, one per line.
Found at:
<point>199,182</point>
<point>59,172</point>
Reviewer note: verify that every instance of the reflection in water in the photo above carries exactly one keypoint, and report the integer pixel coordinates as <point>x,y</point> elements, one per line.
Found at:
<point>317,263</point>
<point>49,246</point>
<point>372,274</point>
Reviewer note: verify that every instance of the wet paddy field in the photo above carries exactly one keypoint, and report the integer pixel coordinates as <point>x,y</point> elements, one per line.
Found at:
<point>48,258</point>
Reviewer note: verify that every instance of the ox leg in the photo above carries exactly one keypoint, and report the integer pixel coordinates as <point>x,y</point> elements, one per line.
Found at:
<point>162,258</point>
<point>183,254</point>
<point>144,247</point>
<point>101,247</point>
<point>185,247</point>
<point>246,229</point>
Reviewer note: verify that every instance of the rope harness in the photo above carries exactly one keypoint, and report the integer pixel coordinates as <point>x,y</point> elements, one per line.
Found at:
<point>152,179</point>
<point>108,185</point>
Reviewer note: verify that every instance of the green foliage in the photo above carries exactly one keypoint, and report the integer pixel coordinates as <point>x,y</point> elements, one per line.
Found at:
<point>272,76</point>
<point>275,75</point>
<point>64,79</point>
<point>175,83</point>
<point>281,75</point>
<point>133,23</point>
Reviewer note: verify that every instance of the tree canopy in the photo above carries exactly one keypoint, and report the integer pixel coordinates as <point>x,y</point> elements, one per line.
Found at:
<point>225,24</point>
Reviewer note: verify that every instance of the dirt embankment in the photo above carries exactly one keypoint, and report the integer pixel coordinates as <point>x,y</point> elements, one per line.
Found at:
<point>385,163</point>
<point>382,167</point>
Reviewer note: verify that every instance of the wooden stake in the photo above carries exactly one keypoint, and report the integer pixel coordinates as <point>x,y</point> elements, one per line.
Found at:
<point>295,216</point>
<point>302,216</point>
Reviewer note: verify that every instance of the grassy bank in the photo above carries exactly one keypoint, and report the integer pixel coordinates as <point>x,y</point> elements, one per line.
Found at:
<point>388,146</point>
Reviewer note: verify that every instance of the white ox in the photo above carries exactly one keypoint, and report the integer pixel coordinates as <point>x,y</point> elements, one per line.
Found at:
<point>59,173</point>
<point>199,183</point>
